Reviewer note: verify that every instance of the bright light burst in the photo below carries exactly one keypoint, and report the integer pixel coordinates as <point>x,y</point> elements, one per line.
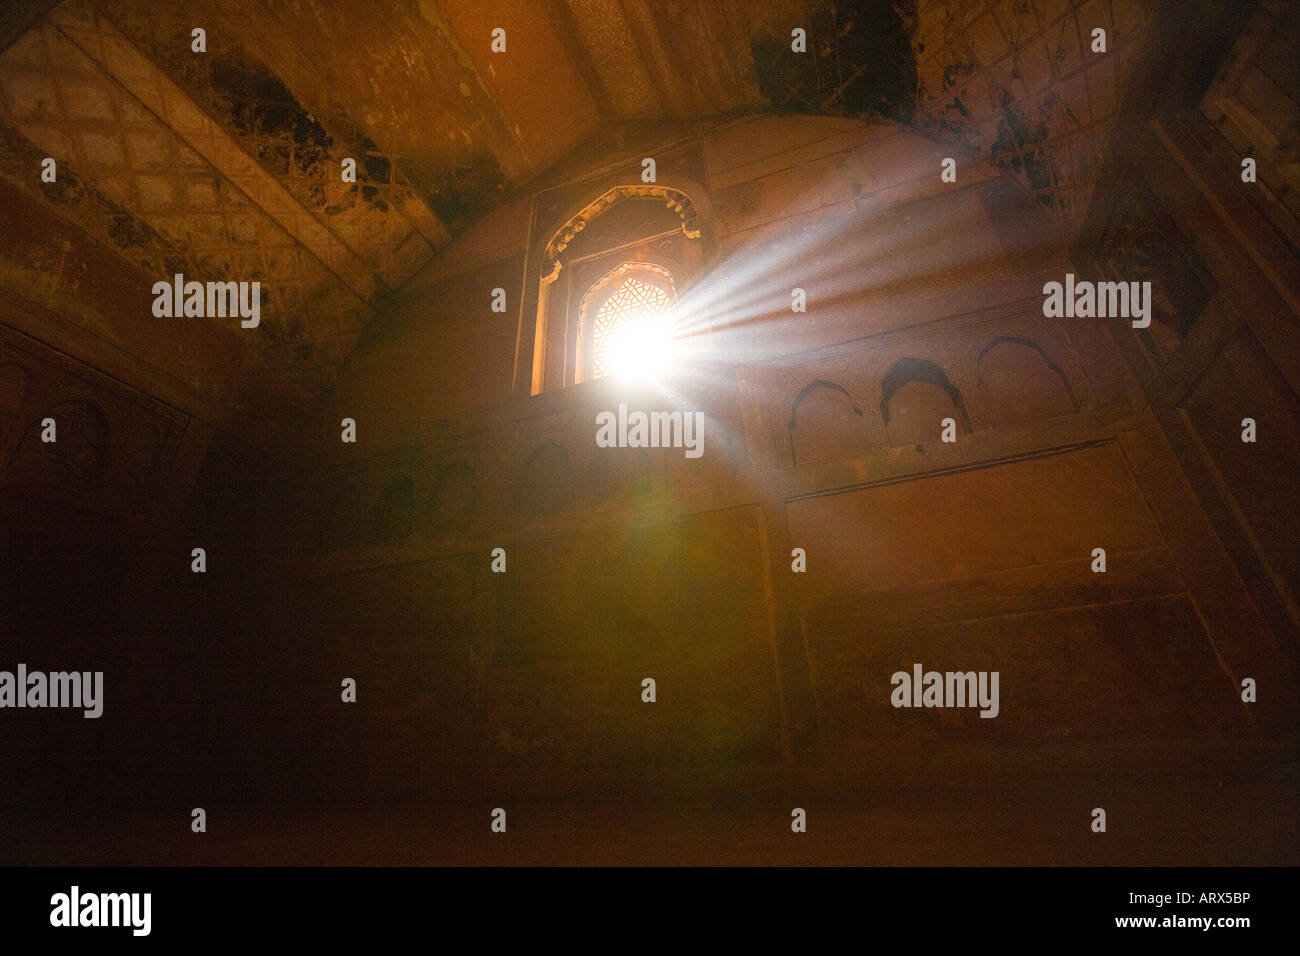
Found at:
<point>632,336</point>
<point>641,349</point>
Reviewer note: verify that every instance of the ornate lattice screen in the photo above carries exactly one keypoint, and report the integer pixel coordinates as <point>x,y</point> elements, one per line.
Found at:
<point>633,301</point>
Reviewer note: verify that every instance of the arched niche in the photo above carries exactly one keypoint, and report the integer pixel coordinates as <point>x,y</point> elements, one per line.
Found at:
<point>825,422</point>
<point>916,396</point>
<point>1018,381</point>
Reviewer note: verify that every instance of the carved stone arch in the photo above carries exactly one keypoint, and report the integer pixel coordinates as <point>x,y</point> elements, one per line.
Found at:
<point>815,384</point>
<point>675,199</point>
<point>923,372</point>
<point>910,369</point>
<point>1033,395</point>
<point>1030,343</point>
<point>609,283</point>
<point>1019,340</point>
<point>832,431</point>
<point>666,225</point>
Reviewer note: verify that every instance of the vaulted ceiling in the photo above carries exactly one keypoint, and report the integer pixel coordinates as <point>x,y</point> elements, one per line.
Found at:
<point>226,164</point>
<point>1019,83</point>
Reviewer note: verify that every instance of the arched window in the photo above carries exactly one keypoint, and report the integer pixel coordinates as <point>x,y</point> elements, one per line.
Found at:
<point>625,312</point>
<point>651,234</point>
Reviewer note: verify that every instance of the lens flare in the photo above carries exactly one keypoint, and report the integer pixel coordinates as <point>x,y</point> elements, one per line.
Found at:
<point>642,349</point>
